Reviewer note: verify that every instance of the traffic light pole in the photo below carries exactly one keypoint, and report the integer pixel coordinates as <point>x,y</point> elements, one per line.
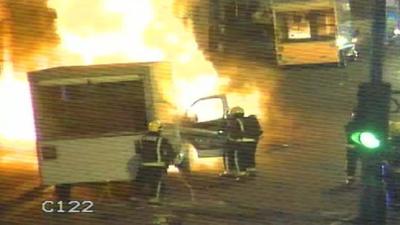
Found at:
<point>378,35</point>
<point>373,105</point>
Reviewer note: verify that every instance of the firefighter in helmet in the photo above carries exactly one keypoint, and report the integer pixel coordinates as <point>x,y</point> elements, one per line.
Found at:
<point>156,155</point>
<point>243,135</point>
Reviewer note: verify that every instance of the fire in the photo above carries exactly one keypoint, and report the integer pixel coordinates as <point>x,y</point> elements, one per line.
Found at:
<point>201,164</point>
<point>150,30</point>
<point>194,76</point>
<point>16,121</point>
<point>110,32</point>
<point>129,31</point>
<point>17,131</point>
<point>116,31</point>
<point>249,101</point>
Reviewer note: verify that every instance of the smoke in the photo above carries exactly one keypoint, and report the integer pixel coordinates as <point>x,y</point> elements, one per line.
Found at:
<point>30,31</point>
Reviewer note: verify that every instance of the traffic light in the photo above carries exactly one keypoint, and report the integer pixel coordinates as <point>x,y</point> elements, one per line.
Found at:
<point>372,116</point>
<point>367,139</point>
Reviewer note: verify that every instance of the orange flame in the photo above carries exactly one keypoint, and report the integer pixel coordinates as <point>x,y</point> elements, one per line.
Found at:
<point>204,164</point>
<point>111,32</point>
<point>126,31</point>
<point>17,131</point>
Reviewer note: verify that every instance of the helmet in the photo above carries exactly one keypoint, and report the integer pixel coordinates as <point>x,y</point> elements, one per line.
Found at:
<point>155,126</point>
<point>237,111</point>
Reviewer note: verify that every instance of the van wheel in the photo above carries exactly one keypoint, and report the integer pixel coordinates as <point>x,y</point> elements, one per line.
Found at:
<point>342,60</point>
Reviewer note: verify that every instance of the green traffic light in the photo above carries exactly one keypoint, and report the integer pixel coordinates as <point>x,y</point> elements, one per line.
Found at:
<point>369,140</point>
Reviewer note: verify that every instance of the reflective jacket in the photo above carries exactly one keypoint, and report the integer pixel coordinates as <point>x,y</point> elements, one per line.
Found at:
<point>155,150</point>
<point>245,129</point>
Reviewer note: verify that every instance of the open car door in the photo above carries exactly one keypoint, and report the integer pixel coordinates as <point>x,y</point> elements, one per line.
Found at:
<point>204,125</point>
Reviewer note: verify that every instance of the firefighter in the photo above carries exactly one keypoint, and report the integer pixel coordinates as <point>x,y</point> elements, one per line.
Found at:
<point>239,158</point>
<point>231,151</point>
<point>156,155</point>
<point>251,133</point>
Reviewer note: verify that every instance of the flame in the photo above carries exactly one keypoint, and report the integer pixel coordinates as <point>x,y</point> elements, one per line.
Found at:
<point>115,31</point>
<point>17,131</point>
<point>204,164</point>
<point>127,31</point>
<point>249,101</point>
<point>111,31</point>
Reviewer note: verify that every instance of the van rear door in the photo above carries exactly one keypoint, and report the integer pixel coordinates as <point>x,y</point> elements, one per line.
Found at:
<point>86,126</point>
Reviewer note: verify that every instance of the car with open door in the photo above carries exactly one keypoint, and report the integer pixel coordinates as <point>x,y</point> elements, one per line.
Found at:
<point>203,128</point>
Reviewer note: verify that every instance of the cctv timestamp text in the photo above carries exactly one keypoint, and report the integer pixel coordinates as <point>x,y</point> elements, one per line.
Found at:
<point>67,207</point>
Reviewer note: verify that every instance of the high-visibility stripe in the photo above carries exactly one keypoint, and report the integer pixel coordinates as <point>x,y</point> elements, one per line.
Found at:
<point>240,124</point>
<point>243,139</point>
<point>159,189</point>
<point>242,129</point>
<point>226,162</point>
<point>158,164</point>
<point>248,140</point>
<point>159,149</point>
<point>251,169</point>
<point>236,161</point>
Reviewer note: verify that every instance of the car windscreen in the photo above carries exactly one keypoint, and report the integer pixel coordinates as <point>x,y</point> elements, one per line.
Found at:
<point>89,109</point>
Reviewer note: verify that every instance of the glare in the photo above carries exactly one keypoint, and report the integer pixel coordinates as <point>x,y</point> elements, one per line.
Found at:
<point>172,169</point>
<point>17,130</point>
<point>113,28</point>
<point>369,140</point>
<point>16,115</point>
<point>340,41</point>
<point>199,164</point>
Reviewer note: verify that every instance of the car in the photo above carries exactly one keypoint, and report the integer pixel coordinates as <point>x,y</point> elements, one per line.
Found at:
<point>203,128</point>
